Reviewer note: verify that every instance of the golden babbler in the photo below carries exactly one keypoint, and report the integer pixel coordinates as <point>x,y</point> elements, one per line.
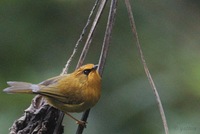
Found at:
<point>75,92</point>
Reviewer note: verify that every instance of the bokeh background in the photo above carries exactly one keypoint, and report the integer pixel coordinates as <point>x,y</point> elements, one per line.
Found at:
<point>37,38</point>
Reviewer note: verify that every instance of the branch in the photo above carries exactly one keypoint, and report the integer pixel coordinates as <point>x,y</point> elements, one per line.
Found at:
<point>38,118</point>
<point>107,36</point>
<point>133,26</point>
<point>89,38</point>
<point>104,52</point>
<point>65,70</point>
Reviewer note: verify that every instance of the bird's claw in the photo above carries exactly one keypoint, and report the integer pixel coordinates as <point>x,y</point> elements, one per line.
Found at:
<point>83,123</point>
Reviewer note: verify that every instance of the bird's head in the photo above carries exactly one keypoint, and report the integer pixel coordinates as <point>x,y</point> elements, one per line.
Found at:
<point>88,74</point>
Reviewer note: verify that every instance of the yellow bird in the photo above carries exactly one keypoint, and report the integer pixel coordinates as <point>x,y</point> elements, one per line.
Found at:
<point>75,92</point>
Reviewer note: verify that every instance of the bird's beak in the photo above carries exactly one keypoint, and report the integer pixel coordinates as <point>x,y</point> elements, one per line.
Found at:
<point>95,67</point>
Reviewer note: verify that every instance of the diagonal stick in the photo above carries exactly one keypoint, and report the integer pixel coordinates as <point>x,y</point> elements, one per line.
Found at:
<point>104,51</point>
<point>65,70</point>
<point>133,26</point>
<point>89,38</point>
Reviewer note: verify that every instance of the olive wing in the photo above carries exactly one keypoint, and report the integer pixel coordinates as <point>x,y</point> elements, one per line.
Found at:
<point>70,96</point>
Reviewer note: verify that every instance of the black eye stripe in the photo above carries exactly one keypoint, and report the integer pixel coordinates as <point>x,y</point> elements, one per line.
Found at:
<point>87,71</point>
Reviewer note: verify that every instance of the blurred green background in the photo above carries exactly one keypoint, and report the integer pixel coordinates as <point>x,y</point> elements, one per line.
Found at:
<point>37,38</point>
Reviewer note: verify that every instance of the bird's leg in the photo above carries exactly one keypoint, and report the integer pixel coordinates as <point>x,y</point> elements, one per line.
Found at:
<point>80,122</point>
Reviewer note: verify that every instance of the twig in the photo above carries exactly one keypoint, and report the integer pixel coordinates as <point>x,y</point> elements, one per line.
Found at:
<point>89,38</point>
<point>107,37</point>
<point>133,26</point>
<point>65,70</point>
<point>104,52</point>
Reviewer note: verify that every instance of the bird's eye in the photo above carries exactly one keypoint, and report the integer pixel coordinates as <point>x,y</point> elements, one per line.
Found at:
<point>86,71</point>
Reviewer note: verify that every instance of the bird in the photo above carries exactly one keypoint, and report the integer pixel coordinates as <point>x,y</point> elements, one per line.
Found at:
<point>74,92</point>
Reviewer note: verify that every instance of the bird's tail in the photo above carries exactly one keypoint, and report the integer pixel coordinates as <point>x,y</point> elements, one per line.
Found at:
<point>21,87</point>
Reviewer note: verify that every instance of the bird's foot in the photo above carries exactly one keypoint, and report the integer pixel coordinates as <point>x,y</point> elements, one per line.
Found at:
<point>83,123</point>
